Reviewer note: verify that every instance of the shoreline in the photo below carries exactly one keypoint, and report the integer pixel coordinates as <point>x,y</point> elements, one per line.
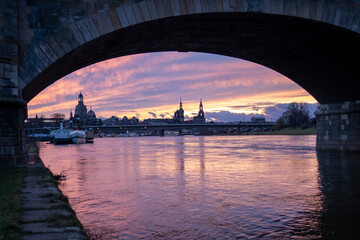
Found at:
<point>33,206</point>
<point>46,212</point>
<point>286,131</point>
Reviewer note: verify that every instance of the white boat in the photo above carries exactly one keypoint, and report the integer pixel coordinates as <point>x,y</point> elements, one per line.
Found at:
<point>78,136</point>
<point>60,136</point>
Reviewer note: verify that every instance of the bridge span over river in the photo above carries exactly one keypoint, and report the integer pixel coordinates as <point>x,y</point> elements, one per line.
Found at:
<point>315,43</point>
<point>199,128</point>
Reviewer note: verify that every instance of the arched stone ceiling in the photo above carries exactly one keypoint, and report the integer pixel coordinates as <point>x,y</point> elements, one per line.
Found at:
<point>320,56</point>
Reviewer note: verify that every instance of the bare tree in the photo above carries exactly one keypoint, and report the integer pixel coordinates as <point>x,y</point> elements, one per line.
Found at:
<point>58,115</point>
<point>280,124</point>
<point>297,114</point>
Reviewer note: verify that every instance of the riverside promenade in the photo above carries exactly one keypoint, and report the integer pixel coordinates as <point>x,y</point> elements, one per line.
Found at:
<point>46,213</point>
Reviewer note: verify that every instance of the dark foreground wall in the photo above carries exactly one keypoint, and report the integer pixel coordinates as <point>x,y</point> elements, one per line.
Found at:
<point>313,42</point>
<point>13,111</point>
<point>338,126</point>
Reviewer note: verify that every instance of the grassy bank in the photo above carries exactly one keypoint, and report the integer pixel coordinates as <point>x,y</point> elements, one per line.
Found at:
<point>11,181</point>
<point>15,179</point>
<point>286,131</point>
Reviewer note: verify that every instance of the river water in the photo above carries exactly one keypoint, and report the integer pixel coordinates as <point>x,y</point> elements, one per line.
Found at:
<point>210,187</point>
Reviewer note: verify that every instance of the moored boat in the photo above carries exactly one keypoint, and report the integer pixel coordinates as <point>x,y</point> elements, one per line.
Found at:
<point>60,136</point>
<point>78,136</point>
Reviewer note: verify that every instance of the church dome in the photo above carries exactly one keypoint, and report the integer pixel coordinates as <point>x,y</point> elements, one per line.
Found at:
<point>91,113</point>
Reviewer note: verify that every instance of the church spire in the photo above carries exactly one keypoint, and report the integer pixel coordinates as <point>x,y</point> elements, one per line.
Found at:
<point>81,98</point>
<point>181,103</point>
<point>201,105</point>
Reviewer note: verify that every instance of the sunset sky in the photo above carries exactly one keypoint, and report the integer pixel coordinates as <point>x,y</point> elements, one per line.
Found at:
<point>150,85</point>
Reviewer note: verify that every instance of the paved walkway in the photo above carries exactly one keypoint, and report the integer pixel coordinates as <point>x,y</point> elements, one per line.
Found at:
<point>47,214</point>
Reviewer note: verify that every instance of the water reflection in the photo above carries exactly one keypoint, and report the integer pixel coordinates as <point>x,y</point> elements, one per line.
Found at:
<point>208,187</point>
<point>202,156</point>
<point>339,179</point>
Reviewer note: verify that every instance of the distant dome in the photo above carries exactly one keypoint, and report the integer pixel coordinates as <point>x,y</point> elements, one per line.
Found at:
<point>91,113</point>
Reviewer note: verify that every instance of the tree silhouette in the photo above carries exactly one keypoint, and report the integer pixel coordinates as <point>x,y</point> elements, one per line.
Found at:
<point>297,114</point>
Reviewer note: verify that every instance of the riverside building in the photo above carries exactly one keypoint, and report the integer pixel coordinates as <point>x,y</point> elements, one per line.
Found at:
<point>82,116</point>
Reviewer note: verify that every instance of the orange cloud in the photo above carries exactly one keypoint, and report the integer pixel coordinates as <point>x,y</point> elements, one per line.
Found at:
<point>154,82</point>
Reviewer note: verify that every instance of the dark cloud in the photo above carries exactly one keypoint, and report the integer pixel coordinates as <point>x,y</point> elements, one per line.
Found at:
<point>152,114</point>
<point>312,108</point>
<point>255,106</point>
<point>271,113</point>
<point>275,111</point>
<point>227,116</point>
<point>239,106</point>
<point>168,114</point>
<point>265,103</point>
<point>131,84</point>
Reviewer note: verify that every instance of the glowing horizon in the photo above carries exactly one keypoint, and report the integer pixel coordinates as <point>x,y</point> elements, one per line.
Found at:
<point>151,84</point>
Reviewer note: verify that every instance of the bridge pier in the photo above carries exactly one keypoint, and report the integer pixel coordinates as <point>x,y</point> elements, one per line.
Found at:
<point>338,126</point>
<point>13,111</point>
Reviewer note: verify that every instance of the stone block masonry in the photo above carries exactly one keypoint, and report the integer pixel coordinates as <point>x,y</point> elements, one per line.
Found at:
<point>338,126</point>
<point>12,135</point>
<point>42,41</point>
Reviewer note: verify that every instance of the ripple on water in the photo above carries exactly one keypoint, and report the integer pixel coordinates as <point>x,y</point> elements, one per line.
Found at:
<point>209,187</point>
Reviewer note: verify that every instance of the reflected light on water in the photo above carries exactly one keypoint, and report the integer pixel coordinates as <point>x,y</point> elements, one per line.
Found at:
<point>195,186</point>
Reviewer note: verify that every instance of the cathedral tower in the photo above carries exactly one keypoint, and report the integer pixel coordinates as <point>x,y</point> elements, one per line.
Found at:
<point>200,118</point>
<point>81,110</point>
<point>179,114</point>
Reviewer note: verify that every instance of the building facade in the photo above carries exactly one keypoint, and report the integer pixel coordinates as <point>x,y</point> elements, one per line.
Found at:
<point>42,122</point>
<point>200,118</point>
<point>179,114</point>
<point>82,117</point>
<point>259,119</point>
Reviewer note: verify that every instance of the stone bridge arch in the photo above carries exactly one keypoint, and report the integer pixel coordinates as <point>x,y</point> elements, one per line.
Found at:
<point>307,41</point>
<point>313,42</point>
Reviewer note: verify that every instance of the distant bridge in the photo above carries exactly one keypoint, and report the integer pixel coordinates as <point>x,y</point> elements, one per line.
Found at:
<point>241,126</point>
<point>315,43</point>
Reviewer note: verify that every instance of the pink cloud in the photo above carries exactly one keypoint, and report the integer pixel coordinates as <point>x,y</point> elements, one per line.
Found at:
<point>147,82</point>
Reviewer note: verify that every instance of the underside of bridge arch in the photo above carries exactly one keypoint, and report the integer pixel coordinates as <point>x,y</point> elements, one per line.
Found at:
<point>321,58</point>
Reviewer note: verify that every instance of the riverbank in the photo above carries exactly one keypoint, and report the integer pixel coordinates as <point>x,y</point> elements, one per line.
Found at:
<point>46,212</point>
<point>286,131</point>
<point>32,205</point>
<point>11,181</point>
